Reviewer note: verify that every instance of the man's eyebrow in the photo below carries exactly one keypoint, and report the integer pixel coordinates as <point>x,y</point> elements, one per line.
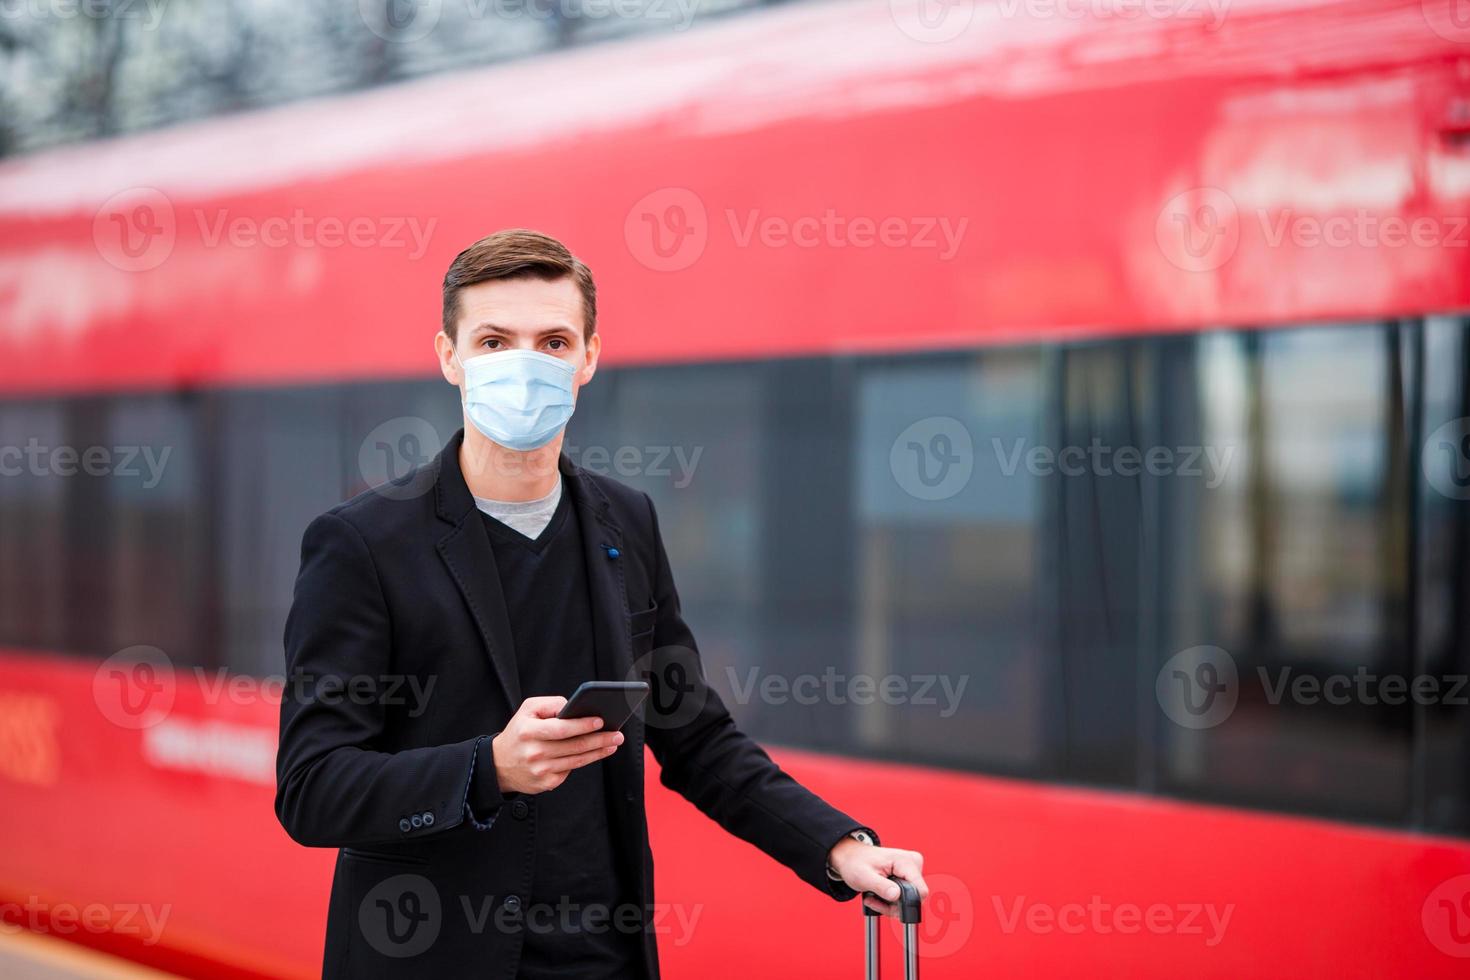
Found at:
<point>489,328</point>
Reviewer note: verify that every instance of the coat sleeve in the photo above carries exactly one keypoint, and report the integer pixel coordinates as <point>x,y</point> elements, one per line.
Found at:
<point>704,757</point>
<point>333,788</point>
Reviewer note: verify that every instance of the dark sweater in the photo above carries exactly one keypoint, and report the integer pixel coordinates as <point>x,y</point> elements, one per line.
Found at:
<point>577,891</point>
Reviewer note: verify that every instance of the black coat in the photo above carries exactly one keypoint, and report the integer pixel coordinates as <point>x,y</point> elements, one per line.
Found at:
<point>400,668</point>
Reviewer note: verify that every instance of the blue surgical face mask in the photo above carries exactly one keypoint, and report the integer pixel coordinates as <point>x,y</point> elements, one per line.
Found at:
<point>519,399</point>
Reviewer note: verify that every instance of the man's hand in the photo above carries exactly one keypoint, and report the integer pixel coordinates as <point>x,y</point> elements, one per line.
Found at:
<point>537,750</point>
<point>866,868</point>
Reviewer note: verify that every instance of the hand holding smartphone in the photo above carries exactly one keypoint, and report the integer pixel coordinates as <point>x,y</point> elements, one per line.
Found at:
<point>549,737</point>
<point>612,701</point>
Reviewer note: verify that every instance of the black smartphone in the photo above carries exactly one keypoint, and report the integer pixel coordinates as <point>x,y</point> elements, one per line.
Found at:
<point>612,701</point>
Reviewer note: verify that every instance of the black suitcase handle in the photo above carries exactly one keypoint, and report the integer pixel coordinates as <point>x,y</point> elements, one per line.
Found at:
<point>910,912</point>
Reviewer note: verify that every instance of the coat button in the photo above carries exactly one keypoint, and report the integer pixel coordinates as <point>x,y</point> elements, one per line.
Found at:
<point>417,820</point>
<point>404,825</point>
<point>513,904</point>
<point>518,809</point>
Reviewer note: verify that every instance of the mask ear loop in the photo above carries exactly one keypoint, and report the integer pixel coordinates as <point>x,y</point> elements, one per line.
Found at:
<point>463,379</point>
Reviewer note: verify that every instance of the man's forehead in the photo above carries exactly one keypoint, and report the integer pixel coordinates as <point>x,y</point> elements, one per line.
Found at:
<point>520,304</point>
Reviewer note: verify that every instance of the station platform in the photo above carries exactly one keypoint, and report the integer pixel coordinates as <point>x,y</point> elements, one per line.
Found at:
<point>35,956</point>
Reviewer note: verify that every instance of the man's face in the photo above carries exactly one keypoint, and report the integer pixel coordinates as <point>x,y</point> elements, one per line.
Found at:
<point>525,314</point>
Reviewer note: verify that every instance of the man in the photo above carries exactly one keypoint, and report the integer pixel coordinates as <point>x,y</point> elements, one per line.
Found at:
<point>480,834</point>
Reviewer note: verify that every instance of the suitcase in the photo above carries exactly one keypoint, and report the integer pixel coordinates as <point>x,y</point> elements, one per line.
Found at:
<point>909,914</point>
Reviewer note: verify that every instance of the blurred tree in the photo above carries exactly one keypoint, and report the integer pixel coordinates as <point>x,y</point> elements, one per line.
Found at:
<point>115,66</point>
<point>8,109</point>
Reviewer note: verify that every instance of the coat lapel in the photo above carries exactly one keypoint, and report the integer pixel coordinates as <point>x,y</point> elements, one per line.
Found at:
<point>471,562</point>
<point>612,639</point>
<point>602,547</point>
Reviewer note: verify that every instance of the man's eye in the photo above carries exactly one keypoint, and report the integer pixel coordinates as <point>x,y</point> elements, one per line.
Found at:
<point>490,342</point>
<point>557,344</point>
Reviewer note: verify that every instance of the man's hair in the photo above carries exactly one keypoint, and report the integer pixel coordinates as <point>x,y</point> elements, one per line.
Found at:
<point>513,254</point>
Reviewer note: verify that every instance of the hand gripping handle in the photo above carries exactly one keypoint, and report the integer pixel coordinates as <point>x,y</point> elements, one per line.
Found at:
<point>910,912</point>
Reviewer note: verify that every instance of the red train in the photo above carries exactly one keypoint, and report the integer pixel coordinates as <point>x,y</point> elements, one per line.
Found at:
<point>1029,363</point>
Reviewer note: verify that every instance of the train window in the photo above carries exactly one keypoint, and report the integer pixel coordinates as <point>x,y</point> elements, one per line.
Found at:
<point>33,553</point>
<point>281,463</point>
<point>949,606</point>
<point>806,559</point>
<point>1443,547</point>
<point>100,514</point>
<point>1099,494</point>
<point>1300,585</point>
<point>154,530</point>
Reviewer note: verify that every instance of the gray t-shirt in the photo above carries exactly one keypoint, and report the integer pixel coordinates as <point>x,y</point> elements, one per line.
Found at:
<point>529,517</point>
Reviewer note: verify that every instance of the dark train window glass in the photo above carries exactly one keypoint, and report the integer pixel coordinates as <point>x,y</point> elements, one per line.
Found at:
<point>1443,540</point>
<point>950,557</point>
<point>34,598</point>
<point>101,537</point>
<point>1301,574</point>
<point>281,464</point>
<point>1099,540</point>
<point>155,522</point>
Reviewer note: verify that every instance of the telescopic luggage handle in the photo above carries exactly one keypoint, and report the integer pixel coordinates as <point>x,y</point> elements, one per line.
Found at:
<point>909,913</point>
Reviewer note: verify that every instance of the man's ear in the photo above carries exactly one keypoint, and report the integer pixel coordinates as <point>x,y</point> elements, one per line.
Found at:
<point>448,365</point>
<point>594,351</point>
